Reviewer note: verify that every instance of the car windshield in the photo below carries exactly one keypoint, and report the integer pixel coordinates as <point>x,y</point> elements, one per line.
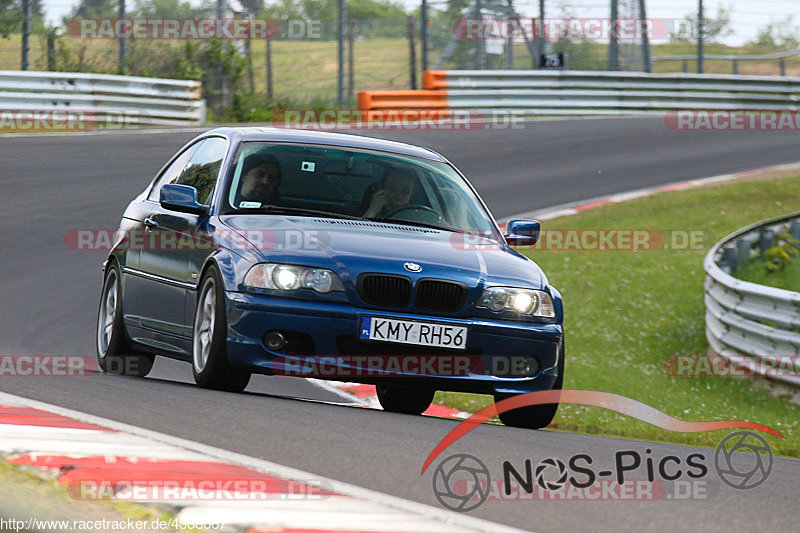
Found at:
<point>350,183</point>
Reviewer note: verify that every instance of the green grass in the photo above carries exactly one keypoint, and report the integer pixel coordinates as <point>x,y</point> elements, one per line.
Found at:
<point>627,312</point>
<point>788,278</point>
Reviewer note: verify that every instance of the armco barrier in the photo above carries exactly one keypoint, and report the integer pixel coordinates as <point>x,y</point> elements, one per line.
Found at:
<point>116,99</point>
<point>749,323</point>
<point>540,92</point>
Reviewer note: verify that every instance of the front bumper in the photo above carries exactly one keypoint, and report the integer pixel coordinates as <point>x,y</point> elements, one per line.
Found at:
<point>333,329</point>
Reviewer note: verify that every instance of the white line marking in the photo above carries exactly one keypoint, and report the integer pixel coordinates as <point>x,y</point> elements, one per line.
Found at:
<point>567,209</point>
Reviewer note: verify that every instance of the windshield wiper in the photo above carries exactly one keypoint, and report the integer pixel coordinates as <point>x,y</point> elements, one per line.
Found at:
<point>402,221</point>
<point>300,211</point>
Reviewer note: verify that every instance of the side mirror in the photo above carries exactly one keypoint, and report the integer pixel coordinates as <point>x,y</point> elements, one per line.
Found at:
<point>181,198</point>
<point>522,232</point>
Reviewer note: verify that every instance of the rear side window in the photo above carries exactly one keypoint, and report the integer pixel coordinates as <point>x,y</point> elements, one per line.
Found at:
<point>203,168</point>
<point>172,172</point>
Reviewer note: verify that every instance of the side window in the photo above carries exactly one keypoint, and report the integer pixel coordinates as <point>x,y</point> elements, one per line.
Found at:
<point>172,172</point>
<point>203,168</point>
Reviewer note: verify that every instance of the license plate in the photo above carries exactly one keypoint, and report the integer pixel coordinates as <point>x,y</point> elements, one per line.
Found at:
<point>412,332</point>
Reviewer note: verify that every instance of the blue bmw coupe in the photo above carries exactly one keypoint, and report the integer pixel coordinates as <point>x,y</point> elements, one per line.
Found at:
<point>311,254</point>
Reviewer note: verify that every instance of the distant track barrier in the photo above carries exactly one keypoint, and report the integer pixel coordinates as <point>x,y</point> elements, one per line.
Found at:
<point>108,99</point>
<point>748,324</point>
<point>541,92</point>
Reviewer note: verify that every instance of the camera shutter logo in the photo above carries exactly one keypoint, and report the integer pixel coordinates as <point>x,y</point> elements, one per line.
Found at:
<point>550,484</point>
<point>740,476</point>
<point>461,483</point>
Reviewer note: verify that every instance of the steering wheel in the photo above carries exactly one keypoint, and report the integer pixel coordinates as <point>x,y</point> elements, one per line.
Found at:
<point>418,207</point>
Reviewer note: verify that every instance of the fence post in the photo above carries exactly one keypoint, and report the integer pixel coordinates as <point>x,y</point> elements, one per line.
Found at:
<point>685,66</point>
<point>248,51</point>
<point>701,23</point>
<point>269,67</point>
<point>340,16</point>
<point>479,51</point>
<point>541,37</point>
<point>735,67</point>
<point>51,49</point>
<point>647,62</point>
<point>613,45</point>
<point>351,41</point>
<point>26,33</point>
<point>222,9</point>
<point>412,52</point>
<point>423,33</point>
<point>123,42</point>
<point>509,38</point>
<point>783,66</point>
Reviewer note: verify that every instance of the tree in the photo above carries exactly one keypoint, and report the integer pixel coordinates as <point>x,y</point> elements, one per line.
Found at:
<point>326,10</point>
<point>781,35</point>
<point>10,17</point>
<point>167,9</point>
<point>715,29</point>
<point>95,9</point>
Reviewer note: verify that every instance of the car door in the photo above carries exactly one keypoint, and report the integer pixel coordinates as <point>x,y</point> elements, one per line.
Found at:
<point>164,261</point>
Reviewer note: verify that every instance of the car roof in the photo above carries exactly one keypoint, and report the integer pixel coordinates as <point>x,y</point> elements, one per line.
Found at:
<point>346,140</point>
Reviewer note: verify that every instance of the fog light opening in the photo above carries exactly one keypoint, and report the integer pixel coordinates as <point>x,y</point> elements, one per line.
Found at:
<point>527,366</point>
<point>274,340</point>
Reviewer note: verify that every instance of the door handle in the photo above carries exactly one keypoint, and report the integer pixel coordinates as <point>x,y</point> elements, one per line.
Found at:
<point>150,224</point>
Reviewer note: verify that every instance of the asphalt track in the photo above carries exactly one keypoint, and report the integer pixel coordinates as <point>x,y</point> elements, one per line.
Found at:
<point>49,297</point>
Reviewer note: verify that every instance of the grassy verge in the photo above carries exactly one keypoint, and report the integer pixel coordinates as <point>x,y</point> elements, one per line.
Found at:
<point>628,311</point>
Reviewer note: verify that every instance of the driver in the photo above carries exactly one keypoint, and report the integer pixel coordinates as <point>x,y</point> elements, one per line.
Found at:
<point>396,190</point>
<point>261,177</point>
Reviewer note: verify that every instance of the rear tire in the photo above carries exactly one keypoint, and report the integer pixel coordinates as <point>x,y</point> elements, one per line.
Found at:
<point>209,351</point>
<point>115,352</point>
<point>403,400</point>
<point>535,416</point>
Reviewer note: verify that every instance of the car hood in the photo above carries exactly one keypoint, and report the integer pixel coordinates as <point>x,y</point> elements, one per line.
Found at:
<point>352,247</point>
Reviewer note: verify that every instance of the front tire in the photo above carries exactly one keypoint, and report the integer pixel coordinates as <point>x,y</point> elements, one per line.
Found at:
<point>209,353</point>
<point>115,354</point>
<point>534,416</point>
<point>403,400</point>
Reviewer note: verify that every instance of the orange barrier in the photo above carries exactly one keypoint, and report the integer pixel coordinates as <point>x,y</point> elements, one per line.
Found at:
<point>434,79</point>
<point>422,99</point>
<point>404,115</point>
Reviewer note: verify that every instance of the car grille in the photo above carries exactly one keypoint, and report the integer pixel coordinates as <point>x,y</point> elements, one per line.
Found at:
<point>434,295</point>
<point>385,291</point>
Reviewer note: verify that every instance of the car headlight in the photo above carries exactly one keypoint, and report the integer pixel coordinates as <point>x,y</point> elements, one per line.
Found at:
<point>523,301</point>
<point>292,277</point>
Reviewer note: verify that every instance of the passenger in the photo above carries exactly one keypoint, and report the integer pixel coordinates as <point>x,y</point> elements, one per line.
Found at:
<point>395,191</point>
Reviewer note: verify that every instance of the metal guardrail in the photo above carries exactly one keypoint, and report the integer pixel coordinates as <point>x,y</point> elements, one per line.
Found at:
<point>731,57</point>
<point>734,59</point>
<point>589,92</point>
<point>125,100</point>
<point>747,323</point>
